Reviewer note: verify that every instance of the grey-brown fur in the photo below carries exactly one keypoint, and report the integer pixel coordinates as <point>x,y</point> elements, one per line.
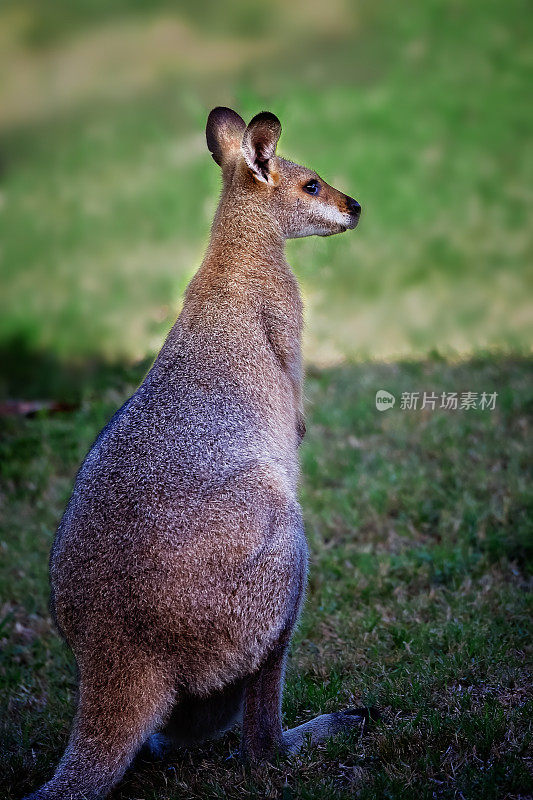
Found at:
<point>179,567</point>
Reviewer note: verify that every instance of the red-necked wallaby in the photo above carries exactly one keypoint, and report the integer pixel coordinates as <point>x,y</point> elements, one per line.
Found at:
<point>179,566</point>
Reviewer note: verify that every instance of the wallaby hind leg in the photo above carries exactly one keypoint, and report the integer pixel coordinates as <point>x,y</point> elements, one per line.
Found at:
<point>262,735</point>
<point>117,710</point>
<point>262,731</point>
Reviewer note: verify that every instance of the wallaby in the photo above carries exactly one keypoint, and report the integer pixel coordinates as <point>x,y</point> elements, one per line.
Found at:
<point>179,566</point>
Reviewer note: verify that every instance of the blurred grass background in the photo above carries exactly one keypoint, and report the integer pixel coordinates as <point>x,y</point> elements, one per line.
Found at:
<point>419,522</point>
<point>107,189</point>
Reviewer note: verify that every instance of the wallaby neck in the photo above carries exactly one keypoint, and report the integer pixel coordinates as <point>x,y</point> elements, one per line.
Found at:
<point>244,234</point>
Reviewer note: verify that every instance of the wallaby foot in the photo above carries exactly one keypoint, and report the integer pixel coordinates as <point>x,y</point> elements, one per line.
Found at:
<point>325,726</point>
<point>262,735</point>
<point>157,747</point>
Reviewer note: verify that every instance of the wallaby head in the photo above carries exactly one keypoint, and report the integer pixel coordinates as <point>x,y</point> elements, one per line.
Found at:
<point>295,197</point>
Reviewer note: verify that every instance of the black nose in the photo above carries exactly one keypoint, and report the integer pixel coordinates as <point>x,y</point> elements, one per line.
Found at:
<point>353,206</point>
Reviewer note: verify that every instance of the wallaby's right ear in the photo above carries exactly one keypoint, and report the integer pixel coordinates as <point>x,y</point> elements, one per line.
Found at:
<point>224,133</point>
<point>259,145</point>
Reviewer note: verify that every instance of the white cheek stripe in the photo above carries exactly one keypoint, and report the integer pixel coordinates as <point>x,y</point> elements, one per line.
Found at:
<point>332,214</point>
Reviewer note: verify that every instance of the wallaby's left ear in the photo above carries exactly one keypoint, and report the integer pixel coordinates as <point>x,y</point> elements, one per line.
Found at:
<point>259,144</point>
<point>224,132</point>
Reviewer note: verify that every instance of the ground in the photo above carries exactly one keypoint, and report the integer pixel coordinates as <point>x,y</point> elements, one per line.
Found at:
<point>419,526</point>
<point>419,520</point>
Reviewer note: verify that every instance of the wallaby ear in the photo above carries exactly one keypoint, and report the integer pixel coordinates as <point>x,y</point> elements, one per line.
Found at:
<point>224,132</point>
<point>259,144</point>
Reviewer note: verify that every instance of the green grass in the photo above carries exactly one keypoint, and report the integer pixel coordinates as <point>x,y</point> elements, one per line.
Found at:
<point>108,190</point>
<point>420,531</point>
<point>419,522</point>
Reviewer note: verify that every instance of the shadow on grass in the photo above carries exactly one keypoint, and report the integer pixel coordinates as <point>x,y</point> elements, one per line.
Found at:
<point>29,373</point>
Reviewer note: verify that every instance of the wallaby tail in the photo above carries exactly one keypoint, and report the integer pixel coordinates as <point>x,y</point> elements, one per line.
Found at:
<point>118,709</point>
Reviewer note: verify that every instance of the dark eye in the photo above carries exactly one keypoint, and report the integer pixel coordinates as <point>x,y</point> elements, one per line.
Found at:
<point>312,187</point>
